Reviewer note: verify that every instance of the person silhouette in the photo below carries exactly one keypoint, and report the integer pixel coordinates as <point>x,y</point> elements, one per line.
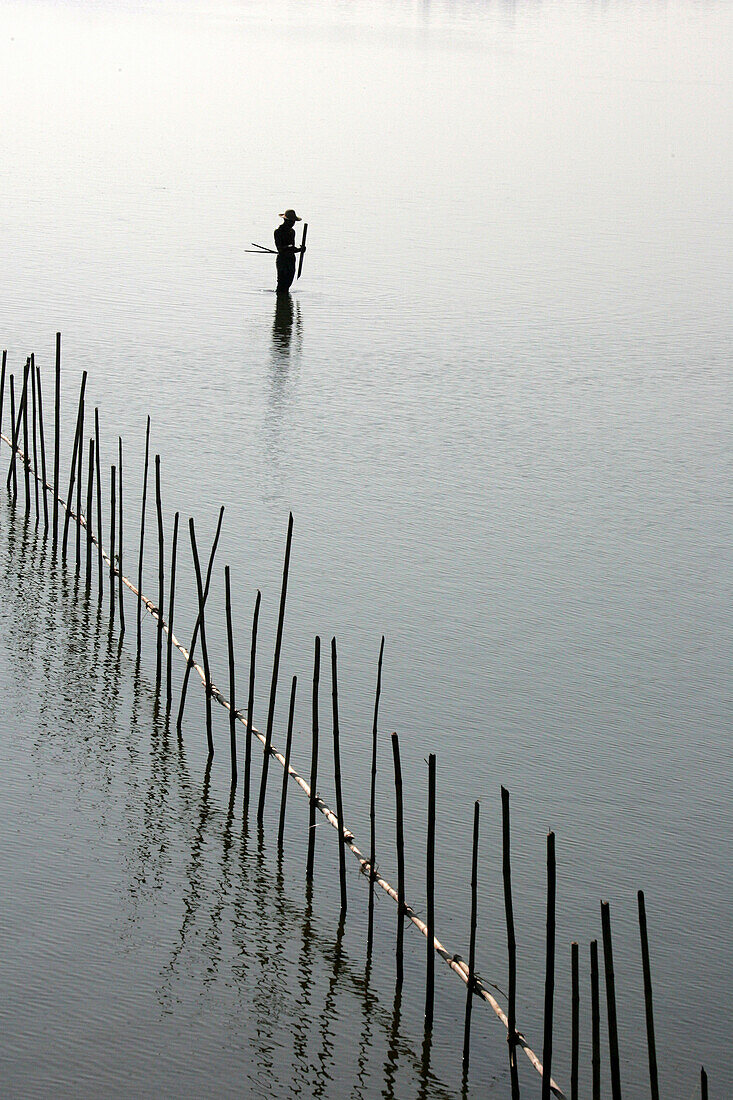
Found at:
<point>286,250</point>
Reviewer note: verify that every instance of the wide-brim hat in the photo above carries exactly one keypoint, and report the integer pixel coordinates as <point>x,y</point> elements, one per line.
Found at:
<point>291,216</point>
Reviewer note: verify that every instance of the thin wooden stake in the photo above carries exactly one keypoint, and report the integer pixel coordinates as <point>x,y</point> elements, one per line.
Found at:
<point>613,1051</point>
<point>595,1004</point>
<point>12,483</point>
<point>197,625</point>
<point>472,943</point>
<point>286,768</point>
<point>112,538</point>
<point>430,882</point>
<point>575,1020</point>
<point>250,705</point>
<point>703,1083</point>
<point>79,458</point>
<point>90,489</point>
<point>161,579</point>
<point>171,608</point>
<point>549,968</point>
<point>100,559</point>
<point>648,1001</point>
<point>337,776</point>
<point>372,804</point>
<point>204,648</point>
<point>121,600</point>
<point>275,670</point>
<point>142,536</point>
<point>42,435</point>
<point>26,454</point>
<point>57,443</point>
<point>2,387</point>
<point>232,684</point>
<point>511,943</point>
<point>77,444</point>
<point>34,417</point>
<point>400,841</point>
<point>314,765</point>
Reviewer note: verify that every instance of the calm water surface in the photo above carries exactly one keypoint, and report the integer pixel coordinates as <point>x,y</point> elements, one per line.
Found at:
<point>499,409</point>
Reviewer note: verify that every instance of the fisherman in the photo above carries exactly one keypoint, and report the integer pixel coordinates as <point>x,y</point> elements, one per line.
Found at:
<point>286,250</point>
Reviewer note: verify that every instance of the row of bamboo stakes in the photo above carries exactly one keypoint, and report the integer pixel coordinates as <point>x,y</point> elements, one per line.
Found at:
<point>33,438</point>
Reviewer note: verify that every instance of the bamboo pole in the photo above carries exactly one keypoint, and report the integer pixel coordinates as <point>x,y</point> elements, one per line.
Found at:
<point>79,458</point>
<point>77,443</point>
<point>197,624</point>
<point>703,1084</point>
<point>26,461</point>
<point>26,451</point>
<point>232,685</point>
<point>286,768</point>
<point>511,943</point>
<point>98,472</point>
<point>372,802</point>
<point>595,1002</point>
<point>430,880</point>
<point>314,765</point>
<point>171,607</point>
<point>161,580</point>
<point>204,648</point>
<point>611,1002</point>
<point>400,839</point>
<point>112,536</point>
<point>42,435</point>
<point>142,534</point>
<point>337,776</point>
<point>12,483</point>
<point>90,488</point>
<point>575,1020</point>
<point>648,1001</point>
<point>549,967</point>
<point>275,669</point>
<point>472,944</point>
<point>250,705</point>
<point>34,417</point>
<point>57,443</point>
<point>121,600</point>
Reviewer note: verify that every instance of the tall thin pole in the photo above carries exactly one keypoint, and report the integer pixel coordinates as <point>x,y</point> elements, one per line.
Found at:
<point>314,764</point>
<point>511,943</point>
<point>42,434</point>
<point>56,443</point>
<point>611,1002</point>
<point>595,1009</point>
<point>372,802</point>
<point>232,678</point>
<point>161,579</point>
<point>2,387</point>
<point>703,1084</point>
<point>197,625</point>
<point>34,408</point>
<point>648,1001</point>
<point>112,539</point>
<point>119,554</point>
<point>97,449</point>
<point>575,1020</point>
<point>337,776</point>
<point>275,670</point>
<point>77,444</point>
<point>142,536</point>
<point>400,841</point>
<point>430,880</point>
<point>204,648</point>
<point>12,482</point>
<point>26,454</point>
<point>79,460</point>
<point>171,607</point>
<point>472,943</point>
<point>549,968</point>
<point>90,490</point>
<point>250,704</point>
<point>286,769</point>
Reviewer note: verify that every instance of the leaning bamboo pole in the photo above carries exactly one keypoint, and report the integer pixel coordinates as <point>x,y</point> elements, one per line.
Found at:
<point>455,962</point>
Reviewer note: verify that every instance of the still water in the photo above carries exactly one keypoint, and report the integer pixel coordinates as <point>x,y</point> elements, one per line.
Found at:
<point>499,408</point>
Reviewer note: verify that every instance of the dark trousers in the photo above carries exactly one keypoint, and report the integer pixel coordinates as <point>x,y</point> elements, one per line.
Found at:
<point>285,272</point>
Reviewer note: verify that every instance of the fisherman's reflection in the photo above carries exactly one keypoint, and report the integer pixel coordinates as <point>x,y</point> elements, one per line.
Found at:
<point>287,320</point>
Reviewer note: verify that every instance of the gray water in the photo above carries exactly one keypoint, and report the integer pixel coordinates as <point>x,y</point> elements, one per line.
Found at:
<point>500,414</point>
